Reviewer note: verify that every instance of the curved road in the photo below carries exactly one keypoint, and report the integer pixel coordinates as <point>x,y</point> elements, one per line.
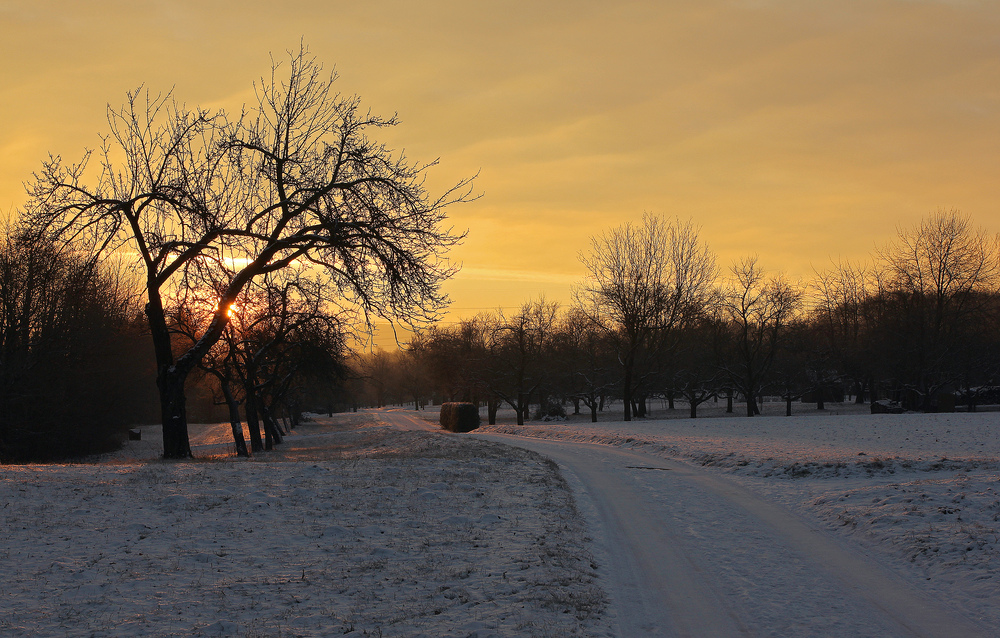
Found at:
<point>689,553</point>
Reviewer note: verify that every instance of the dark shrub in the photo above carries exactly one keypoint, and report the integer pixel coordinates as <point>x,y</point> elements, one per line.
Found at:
<point>459,417</point>
<point>885,406</point>
<point>551,412</point>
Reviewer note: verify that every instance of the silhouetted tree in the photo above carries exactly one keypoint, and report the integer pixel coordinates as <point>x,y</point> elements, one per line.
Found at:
<point>845,316</point>
<point>521,351</point>
<point>758,309</point>
<point>937,279</point>
<point>697,375</point>
<point>294,179</point>
<point>644,282</point>
<point>585,360</point>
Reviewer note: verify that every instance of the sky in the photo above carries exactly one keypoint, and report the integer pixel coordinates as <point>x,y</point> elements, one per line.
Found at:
<point>800,131</point>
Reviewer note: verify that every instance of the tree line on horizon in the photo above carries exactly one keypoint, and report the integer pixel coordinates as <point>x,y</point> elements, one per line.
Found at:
<point>202,261</point>
<point>917,324</point>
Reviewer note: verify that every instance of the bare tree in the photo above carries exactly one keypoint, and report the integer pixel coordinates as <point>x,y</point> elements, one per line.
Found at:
<point>696,375</point>
<point>644,282</point>
<point>521,345</point>
<point>938,278</point>
<point>758,309</point>
<point>585,360</point>
<point>294,179</point>
<point>843,311</point>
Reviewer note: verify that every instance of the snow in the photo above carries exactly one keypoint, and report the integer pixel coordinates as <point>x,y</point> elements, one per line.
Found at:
<point>371,524</point>
<point>919,490</point>
<point>355,528</point>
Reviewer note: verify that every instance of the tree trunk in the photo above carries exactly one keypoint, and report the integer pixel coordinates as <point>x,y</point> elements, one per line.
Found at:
<point>640,406</point>
<point>788,406</point>
<point>173,411</point>
<point>270,425</point>
<point>491,410</point>
<point>627,393</point>
<point>234,418</point>
<point>694,408</point>
<point>576,405</point>
<point>729,401</point>
<point>170,382</point>
<point>751,404</point>
<point>253,422</point>
<point>820,405</point>
<point>670,399</point>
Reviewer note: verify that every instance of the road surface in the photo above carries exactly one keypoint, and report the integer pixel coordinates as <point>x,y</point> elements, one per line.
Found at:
<point>690,553</point>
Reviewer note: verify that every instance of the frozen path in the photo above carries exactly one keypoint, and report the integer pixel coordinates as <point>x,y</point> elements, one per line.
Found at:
<point>689,553</point>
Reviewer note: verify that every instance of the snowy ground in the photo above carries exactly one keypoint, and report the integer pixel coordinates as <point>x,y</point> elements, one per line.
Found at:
<point>358,528</point>
<point>355,528</point>
<point>920,490</point>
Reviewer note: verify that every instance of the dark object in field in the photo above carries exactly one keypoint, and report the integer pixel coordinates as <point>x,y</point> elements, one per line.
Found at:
<point>459,417</point>
<point>885,406</point>
<point>135,434</point>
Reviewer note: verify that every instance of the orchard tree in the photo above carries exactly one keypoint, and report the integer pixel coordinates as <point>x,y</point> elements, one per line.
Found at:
<point>844,301</point>
<point>585,360</point>
<point>939,280</point>
<point>295,178</point>
<point>696,375</point>
<point>644,283</point>
<point>522,346</point>
<point>758,310</point>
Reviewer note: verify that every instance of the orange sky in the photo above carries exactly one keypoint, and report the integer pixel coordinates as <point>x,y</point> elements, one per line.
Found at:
<point>801,131</point>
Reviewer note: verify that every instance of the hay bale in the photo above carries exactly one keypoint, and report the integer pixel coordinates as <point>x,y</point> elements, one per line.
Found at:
<point>459,417</point>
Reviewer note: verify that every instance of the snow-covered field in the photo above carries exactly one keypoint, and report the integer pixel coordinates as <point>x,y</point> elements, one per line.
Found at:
<point>920,490</point>
<point>353,528</point>
<point>357,528</point>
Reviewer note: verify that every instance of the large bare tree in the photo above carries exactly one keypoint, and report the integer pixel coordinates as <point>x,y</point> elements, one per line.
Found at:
<point>645,281</point>
<point>938,281</point>
<point>296,178</point>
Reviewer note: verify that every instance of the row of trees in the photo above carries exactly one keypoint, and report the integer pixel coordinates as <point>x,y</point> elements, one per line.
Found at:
<point>74,367</point>
<point>257,243</point>
<point>77,370</point>
<point>921,320</point>
<point>283,344</point>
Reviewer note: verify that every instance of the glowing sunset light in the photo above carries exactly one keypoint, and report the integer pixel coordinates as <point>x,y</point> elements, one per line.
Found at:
<point>802,132</point>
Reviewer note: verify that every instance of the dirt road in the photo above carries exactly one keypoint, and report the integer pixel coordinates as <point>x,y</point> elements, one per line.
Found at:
<point>689,553</point>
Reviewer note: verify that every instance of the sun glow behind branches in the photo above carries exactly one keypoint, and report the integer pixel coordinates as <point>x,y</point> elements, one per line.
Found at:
<point>798,131</point>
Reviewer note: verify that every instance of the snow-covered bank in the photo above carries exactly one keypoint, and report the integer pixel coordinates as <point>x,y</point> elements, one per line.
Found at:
<point>371,532</point>
<point>921,490</point>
